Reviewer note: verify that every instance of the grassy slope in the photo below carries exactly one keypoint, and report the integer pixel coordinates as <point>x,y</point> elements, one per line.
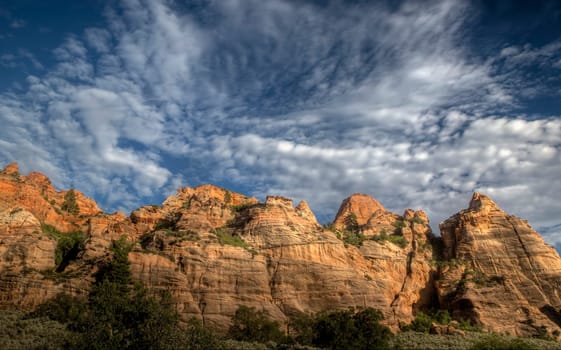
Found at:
<point>17,332</point>
<point>416,340</point>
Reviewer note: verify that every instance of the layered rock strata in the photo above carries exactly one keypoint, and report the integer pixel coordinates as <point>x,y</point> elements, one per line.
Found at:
<point>498,272</point>
<point>215,249</point>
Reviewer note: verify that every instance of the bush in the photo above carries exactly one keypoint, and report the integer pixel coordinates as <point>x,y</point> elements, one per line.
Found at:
<point>395,238</point>
<point>353,238</point>
<point>241,207</point>
<point>248,324</point>
<point>423,321</point>
<point>69,205</point>
<point>68,245</point>
<point>494,342</point>
<point>20,331</point>
<point>62,308</point>
<point>120,315</point>
<point>188,235</point>
<point>226,238</point>
<point>350,330</point>
<point>398,240</point>
<point>196,337</point>
<point>351,222</point>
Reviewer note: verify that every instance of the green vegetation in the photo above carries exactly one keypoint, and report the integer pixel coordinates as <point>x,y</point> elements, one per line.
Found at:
<point>18,331</point>
<point>482,280</point>
<point>184,235</point>
<point>399,224</point>
<point>227,197</point>
<point>164,225</point>
<point>241,207</point>
<point>353,238</point>
<point>224,237</point>
<point>351,234</point>
<point>68,245</point>
<point>496,342</point>
<point>418,220</point>
<point>119,314</point>
<point>146,239</point>
<point>249,324</point>
<point>351,222</point>
<point>137,320</point>
<point>396,239</point>
<point>347,329</point>
<point>423,321</point>
<point>69,205</point>
<point>473,340</point>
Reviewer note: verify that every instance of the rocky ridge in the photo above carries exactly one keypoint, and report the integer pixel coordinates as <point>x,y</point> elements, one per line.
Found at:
<point>214,250</point>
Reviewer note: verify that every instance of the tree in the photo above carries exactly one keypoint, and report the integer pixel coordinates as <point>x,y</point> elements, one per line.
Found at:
<point>345,329</point>
<point>351,222</point>
<point>69,205</point>
<point>121,316</point>
<point>248,324</point>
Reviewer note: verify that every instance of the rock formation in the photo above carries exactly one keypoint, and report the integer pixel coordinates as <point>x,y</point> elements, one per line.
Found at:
<point>498,272</point>
<point>214,250</point>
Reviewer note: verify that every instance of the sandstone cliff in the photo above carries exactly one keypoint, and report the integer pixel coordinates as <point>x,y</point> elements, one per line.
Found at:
<point>214,250</point>
<point>498,271</point>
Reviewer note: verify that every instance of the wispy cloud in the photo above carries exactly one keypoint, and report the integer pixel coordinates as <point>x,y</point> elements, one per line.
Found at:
<point>17,23</point>
<point>313,102</point>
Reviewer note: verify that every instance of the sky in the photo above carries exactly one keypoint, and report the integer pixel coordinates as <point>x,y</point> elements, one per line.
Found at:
<point>417,103</point>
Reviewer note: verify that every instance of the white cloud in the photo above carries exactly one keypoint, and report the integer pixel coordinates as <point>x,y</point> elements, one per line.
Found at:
<point>313,102</point>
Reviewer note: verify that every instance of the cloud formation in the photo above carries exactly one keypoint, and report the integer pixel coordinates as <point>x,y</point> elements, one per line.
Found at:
<point>309,101</point>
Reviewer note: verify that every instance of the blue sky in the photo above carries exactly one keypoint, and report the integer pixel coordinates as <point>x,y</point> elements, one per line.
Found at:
<point>418,103</point>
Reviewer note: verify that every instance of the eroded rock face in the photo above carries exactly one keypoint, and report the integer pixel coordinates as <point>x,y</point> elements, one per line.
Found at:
<point>285,262</point>
<point>498,271</point>
<point>362,206</point>
<point>214,250</point>
<point>37,195</point>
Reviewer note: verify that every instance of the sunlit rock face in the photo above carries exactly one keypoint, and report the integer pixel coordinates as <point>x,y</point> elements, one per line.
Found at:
<point>215,249</point>
<point>500,273</point>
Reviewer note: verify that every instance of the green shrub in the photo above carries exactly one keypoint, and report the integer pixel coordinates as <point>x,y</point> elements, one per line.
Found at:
<point>466,325</point>
<point>353,238</point>
<point>19,331</point>
<point>399,224</point>
<point>350,330</point>
<point>418,220</point>
<point>69,205</point>
<point>68,245</point>
<point>188,235</point>
<point>398,240</point>
<point>301,328</point>
<point>395,238</point>
<point>224,237</point>
<point>351,222</point>
<point>63,308</point>
<point>495,342</point>
<point>227,197</point>
<point>248,324</point>
<point>121,315</point>
<point>146,239</point>
<point>164,225</point>
<point>197,337</point>
<point>241,207</point>
<point>423,321</point>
